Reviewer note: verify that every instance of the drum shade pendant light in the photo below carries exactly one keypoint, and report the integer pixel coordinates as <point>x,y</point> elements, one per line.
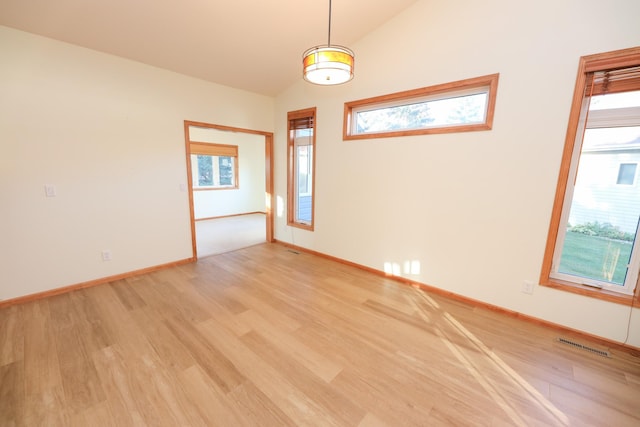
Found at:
<point>328,64</point>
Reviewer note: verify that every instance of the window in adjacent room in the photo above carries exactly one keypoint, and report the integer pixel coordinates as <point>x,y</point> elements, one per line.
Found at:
<point>214,166</point>
<point>593,246</point>
<point>461,106</point>
<point>627,173</point>
<point>301,168</point>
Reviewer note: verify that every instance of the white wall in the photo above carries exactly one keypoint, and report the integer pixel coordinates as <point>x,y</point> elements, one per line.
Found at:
<point>250,195</point>
<point>108,133</point>
<point>471,209</point>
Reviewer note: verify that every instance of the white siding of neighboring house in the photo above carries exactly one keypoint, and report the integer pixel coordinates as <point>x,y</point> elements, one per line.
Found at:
<point>597,195</point>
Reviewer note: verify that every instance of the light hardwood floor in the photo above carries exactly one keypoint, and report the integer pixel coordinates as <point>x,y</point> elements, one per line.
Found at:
<point>266,337</point>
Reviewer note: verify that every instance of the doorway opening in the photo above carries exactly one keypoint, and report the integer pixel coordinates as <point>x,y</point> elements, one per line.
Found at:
<point>230,184</point>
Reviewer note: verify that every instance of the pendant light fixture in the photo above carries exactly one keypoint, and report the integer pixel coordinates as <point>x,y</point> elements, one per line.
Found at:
<point>328,64</point>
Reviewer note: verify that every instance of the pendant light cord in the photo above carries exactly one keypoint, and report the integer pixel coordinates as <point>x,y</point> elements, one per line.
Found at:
<point>329,38</point>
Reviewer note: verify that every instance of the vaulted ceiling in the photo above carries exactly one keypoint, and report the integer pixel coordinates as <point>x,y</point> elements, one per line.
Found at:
<point>255,45</point>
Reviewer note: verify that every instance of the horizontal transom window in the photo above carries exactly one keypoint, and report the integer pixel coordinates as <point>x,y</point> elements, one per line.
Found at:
<point>462,106</point>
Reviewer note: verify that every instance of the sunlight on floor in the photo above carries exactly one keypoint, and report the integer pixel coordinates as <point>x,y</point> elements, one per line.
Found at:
<point>492,388</point>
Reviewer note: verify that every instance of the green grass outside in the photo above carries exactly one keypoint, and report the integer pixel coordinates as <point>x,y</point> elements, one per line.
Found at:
<point>595,257</point>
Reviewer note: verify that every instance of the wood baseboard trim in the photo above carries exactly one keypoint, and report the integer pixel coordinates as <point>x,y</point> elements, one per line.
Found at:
<point>96,282</point>
<point>634,351</point>
<point>229,216</point>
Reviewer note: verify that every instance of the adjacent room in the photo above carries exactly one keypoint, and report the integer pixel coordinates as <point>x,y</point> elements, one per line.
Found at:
<point>228,195</point>
<point>330,212</point>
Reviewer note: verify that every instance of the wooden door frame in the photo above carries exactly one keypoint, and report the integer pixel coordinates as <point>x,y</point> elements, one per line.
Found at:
<point>268,153</point>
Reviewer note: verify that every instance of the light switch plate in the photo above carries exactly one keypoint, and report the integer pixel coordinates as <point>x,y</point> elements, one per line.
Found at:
<point>50,190</point>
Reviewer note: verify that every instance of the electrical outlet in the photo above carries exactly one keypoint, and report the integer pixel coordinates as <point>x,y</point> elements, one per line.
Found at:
<point>527,287</point>
<point>106,255</point>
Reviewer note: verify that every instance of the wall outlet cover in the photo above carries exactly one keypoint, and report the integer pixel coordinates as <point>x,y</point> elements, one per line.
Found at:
<point>527,287</point>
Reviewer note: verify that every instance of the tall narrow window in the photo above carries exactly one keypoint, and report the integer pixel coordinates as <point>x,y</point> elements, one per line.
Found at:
<point>301,168</point>
<point>593,246</point>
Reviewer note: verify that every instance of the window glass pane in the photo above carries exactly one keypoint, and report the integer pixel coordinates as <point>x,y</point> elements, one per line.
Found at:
<point>412,116</point>
<point>226,170</point>
<point>611,139</point>
<point>213,171</point>
<point>304,173</point>
<point>615,100</point>
<point>205,171</point>
<point>301,133</point>
<point>627,173</point>
<point>603,217</point>
<point>459,110</point>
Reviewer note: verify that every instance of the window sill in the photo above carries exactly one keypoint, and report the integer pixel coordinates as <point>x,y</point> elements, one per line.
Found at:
<point>307,227</point>
<point>216,188</point>
<point>589,291</point>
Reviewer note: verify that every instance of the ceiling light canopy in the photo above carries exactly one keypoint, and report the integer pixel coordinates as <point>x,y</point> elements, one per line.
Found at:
<point>328,64</point>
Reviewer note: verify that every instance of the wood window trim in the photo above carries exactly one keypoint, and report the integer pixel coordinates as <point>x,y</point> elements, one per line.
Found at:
<point>587,64</point>
<point>293,115</point>
<point>490,80</point>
